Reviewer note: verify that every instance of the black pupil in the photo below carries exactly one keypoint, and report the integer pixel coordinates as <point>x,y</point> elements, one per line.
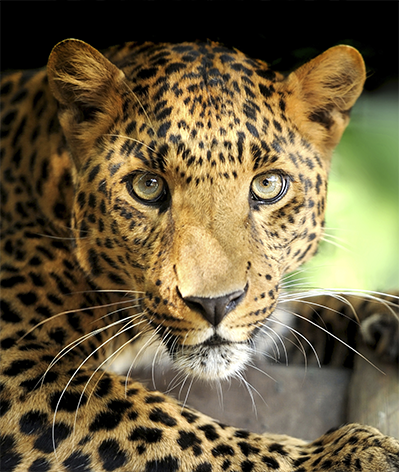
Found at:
<point>151,183</point>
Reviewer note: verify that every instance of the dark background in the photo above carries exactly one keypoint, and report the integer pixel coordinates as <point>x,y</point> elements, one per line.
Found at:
<point>282,33</point>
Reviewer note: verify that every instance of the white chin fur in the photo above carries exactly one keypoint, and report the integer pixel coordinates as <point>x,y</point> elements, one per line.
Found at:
<point>212,362</point>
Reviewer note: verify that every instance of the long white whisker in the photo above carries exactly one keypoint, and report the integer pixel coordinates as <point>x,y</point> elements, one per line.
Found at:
<point>337,339</point>
<point>67,312</point>
<point>298,334</point>
<point>65,350</point>
<point>76,372</point>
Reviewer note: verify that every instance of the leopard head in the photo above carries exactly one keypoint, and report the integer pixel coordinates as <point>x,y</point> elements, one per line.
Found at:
<point>201,180</point>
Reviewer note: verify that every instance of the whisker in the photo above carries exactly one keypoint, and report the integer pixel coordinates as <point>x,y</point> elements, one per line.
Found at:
<point>249,388</point>
<point>188,392</point>
<point>127,327</point>
<point>298,334</point>
<point>278,356</point>
<point>68,348</point>
<point>146,344</point>
<point>334,243</point>
<point>75,310</point>
<point>255,367</point>
<point>337,339</point>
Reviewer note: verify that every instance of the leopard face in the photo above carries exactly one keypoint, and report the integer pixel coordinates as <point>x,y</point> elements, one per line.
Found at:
<point>200,180</point>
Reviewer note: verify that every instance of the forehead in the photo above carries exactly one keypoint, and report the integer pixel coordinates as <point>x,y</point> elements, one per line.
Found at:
<point>205,104</point>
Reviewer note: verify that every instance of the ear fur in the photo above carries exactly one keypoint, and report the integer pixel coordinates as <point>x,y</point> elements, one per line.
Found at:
<point>89,90</point>
<point>325,89</point>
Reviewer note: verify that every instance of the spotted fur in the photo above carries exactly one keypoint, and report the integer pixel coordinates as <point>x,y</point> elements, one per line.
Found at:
<point>159,192</point>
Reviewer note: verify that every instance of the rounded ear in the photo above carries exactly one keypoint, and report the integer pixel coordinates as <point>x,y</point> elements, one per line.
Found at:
<point>325,90</point>
<point>89,90</point>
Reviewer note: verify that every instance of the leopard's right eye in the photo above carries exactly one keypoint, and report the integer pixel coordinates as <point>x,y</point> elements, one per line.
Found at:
<point>147,187</point>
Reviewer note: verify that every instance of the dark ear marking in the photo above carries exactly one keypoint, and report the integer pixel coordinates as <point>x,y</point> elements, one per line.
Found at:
<point>327,88</point>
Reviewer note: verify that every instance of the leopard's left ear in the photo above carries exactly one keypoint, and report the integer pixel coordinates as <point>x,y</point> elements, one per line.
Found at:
<point>89,89</point>
<point>324,91</point>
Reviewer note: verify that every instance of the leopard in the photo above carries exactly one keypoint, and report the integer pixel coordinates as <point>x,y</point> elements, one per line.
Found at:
<point>154,195</point>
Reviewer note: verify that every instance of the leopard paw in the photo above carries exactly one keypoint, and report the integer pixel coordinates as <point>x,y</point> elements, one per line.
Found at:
<point>380,331</point>
<point>357,448</point>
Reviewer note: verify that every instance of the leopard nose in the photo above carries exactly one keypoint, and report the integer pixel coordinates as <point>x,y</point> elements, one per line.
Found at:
<point>215,309</point>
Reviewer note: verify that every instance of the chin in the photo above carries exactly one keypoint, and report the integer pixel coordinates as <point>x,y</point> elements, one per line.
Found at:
<point>212,362</point>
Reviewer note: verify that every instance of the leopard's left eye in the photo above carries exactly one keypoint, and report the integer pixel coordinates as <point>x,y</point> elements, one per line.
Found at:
<point>147,187</point>
<point>269,187</point>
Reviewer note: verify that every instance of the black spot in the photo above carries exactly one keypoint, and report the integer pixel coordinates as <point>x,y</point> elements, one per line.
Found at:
<point>111,455</point>
<point>37,279</point>
<point>78,461</point>
<point>27,298</point>
<point>251,128</point>
<point>147,73</point>
<point>210,432</point>
<point>107,420</point>
<point>11,282</point>
<point>175,67</point>
<point>247,466</point>
<point>81,199</point>
<point>166,464</point>
<point>113,169</point>
<point>59,432</point>
<point>242,434</point>
<point>116,278</point>
<point>36,382</point>
<point>69,401</point>
<point>327,465</point>
<point>247,449</point>
<point>275,447</point>
<point>148,435</point>
<point>160,416</point>
<point>132,415</point>
<point>7,442</point>
<point>7,343</point>
<point>103,387</point>
<point>9,460</point>
<point>58,335</point>
<point>33,422</point>
<point>223,450</point>
<point>270,462</point>
<point>7,120</point>
<point>319,182</point>
<point>119,406</point>
<point>40,465</point>
<point>163,129</point>
<point>19,367</point>
<point>190,417</point>
<point>94,262</point>
<point>188,439</point>
<point>74,321</point>
<point>93,173</point>
<point>8,314</point>
<point>5,405</point>
<point>154,399</point>
<point>54,299</point>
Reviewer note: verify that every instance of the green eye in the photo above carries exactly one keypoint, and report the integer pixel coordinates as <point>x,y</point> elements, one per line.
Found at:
<point>147,187</point>
<point>269,187</point>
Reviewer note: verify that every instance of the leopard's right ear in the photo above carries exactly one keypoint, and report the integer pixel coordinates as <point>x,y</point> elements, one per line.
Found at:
<point>89,89</point>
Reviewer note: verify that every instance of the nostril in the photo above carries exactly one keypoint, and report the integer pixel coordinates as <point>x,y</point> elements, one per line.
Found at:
<point>215,309</point>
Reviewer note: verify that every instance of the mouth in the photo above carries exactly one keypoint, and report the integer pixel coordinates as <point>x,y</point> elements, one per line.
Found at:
<point>215,358</point>
<point>216,340</point>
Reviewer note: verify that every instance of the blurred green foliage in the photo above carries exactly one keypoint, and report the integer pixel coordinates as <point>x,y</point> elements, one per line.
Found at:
<point>363,202</point>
